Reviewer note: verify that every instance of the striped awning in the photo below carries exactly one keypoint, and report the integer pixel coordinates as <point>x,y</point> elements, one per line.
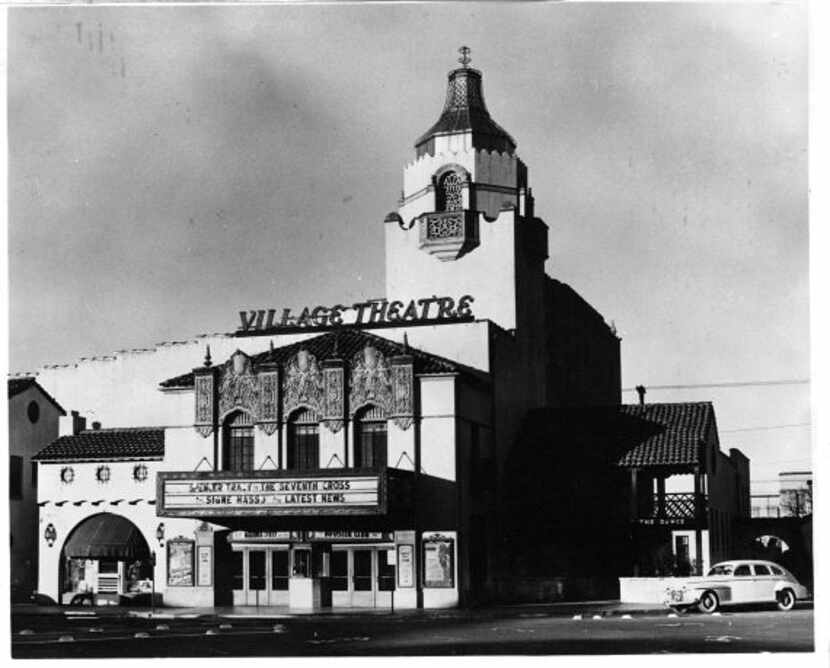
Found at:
<point>107,536</point>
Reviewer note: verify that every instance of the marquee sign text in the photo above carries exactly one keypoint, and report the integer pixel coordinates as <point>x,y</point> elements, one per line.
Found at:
<point>243,496</point>
<point>374,311</point>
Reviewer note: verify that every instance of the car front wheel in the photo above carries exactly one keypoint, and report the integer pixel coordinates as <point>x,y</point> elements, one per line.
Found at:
<point>708,602</point>
<point>786,600</point>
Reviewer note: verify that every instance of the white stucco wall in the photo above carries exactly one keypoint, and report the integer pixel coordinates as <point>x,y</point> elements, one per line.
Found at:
<point>438,426</point>
<point>85,497</point>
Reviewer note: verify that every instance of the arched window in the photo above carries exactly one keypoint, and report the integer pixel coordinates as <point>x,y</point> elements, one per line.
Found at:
<point>370,438</point>
<point>238,452</point>
<point>303,441</point>
<point>449,192</point>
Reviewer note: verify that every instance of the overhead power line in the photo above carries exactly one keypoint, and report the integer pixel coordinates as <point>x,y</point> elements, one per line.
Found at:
<point>768,427</point>
<point>746,383</point>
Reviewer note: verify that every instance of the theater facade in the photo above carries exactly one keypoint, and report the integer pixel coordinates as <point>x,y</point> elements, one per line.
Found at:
<point>345,455</point>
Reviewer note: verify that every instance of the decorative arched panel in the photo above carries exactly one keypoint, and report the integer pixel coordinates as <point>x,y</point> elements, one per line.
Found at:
<point>371,381</point>
<point>302,383</point>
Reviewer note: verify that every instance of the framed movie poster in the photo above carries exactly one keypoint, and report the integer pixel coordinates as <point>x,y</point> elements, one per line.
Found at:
<point>204,562</point>
<point>439,561</point>
<point>180,563</point>
<point>406,565</point>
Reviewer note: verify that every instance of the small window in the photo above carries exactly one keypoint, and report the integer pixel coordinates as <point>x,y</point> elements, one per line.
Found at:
<point>370,439</point>
<point>721,569</point>
<point>33,411</point>
<point>303,441</point>
<point>15,477</point>
<point>776,570</point>
<point>742,571</point>
<point>238,452</point>
<point>761,570</point>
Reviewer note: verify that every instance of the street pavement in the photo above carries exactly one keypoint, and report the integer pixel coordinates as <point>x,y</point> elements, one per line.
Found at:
<point>522,630</point>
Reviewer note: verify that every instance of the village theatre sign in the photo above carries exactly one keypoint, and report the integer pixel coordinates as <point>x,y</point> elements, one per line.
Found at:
<point>372,312</point>
<point>222,494</point>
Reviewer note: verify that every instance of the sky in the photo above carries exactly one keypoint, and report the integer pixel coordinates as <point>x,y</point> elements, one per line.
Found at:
<point>169,166</point>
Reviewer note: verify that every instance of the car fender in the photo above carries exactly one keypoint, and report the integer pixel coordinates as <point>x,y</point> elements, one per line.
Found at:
<point>797,589</point>
<point>723,591</point>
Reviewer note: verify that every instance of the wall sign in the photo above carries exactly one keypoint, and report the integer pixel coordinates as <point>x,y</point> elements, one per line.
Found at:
<point>180,562</point>
<point>204,563</point>
<point>254,495</point>
<point>439,561</point>
<point>361,313</point>
<point>406,565</point>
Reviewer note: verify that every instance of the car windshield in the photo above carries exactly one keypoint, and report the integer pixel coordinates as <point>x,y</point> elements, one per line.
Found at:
<point>721,569</point>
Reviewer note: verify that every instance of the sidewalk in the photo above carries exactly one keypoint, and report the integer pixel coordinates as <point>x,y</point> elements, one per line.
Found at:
<point>560,609</point>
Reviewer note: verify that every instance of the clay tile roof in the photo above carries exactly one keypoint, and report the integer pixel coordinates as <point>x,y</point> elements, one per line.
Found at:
<point>22,383</point>
<point>343,344</point>
<point>106,444</point>
<point>666,434</point>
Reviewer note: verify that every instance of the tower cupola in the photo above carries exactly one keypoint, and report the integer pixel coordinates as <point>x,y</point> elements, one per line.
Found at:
<point>465,112</point>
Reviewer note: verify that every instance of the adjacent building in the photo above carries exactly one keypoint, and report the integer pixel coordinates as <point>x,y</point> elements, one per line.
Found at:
<point>33,423</point>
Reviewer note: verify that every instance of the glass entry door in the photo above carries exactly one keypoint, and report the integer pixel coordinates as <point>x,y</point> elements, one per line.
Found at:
<point>260,576</point>
<point>361,577</point>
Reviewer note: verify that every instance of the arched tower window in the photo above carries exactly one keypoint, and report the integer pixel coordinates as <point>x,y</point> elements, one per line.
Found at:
<point>303,441</point>
<point>238,432</point>
<point>450,192</point>
<point>370,438</point>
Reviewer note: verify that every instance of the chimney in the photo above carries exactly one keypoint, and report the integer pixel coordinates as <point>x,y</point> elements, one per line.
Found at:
<point>78,423</point>
<point>96,426</point>
<point>641,390</point>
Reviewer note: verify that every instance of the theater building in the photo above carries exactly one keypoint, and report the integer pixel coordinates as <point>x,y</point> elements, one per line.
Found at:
<point>337,455</point>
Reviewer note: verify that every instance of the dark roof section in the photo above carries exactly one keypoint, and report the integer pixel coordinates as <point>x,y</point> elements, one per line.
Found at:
<point>667,434</point>
<point>343,344</point>
<point>18,385</point>
<point>106,444</point>
<point>465,111</point>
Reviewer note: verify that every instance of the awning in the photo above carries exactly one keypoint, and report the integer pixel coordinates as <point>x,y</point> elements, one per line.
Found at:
<point>107,536</point>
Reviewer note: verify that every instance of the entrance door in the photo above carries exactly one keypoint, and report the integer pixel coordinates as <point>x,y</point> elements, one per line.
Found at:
<point>363,578</point>
<point>256,593</point>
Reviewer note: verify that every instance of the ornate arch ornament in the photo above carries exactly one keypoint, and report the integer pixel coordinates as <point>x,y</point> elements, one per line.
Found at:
<point>302,383</point>
<point>239,386</point>
<point>371,381</point>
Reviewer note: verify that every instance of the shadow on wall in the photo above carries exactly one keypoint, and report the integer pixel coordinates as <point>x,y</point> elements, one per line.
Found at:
<point>565,502</point>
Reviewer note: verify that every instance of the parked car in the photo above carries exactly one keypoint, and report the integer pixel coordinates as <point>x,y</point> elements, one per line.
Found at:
<point>734,583</point>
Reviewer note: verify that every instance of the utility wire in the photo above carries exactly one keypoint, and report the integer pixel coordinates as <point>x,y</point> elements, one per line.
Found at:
<point>768,427</point>
<point>747,383</point>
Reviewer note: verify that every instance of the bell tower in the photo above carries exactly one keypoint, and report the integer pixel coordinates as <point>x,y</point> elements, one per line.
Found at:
<point>465,222</point>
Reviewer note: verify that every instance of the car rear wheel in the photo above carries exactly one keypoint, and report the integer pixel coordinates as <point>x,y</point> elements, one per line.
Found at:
<point>708,602</point>
<point>786,600</point>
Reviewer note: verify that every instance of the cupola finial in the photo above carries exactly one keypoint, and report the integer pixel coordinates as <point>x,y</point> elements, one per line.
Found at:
<point>465,56</point>
<point>207,356</point>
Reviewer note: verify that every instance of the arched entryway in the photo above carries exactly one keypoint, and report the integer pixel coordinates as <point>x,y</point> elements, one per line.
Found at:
<point>105,557</point>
